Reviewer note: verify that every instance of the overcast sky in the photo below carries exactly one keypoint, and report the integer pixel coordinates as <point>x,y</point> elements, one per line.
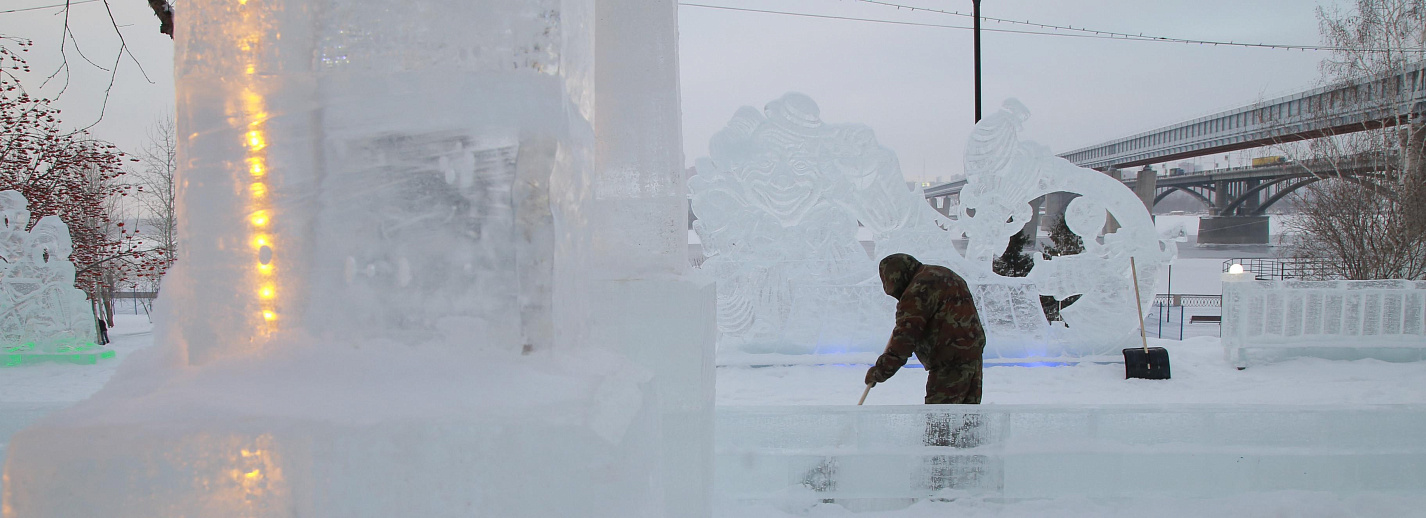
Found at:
<point>913,85</point>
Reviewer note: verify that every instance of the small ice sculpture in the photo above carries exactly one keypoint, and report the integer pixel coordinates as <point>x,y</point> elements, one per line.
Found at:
<point>780,199</point>
<point>42,315</point>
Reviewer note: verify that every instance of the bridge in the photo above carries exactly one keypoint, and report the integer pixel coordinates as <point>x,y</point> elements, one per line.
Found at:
<point>1237,191</point>
<point>1249,191</point>
<point>1372,102</point>
<point>1368,103</point>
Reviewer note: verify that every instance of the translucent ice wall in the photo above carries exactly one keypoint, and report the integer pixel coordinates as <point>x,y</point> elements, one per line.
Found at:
<point>437,240</point>
<point>884,456</point>
<point>383,192</point>
<point>1343,319</point>
<point>781,197</point>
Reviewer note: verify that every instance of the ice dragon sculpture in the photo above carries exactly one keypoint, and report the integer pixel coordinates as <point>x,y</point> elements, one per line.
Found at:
<point>781,197</point>
<point>42,315</point>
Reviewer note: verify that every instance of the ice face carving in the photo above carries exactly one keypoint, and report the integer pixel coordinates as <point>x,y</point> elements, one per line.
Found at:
<point>780,199</point>
<point>42,314</point>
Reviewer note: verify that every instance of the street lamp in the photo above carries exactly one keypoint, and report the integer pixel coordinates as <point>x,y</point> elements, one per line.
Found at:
<point>976,3</point>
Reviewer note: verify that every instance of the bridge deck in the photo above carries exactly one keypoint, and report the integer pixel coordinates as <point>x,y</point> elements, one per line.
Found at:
<point>1373,101</point>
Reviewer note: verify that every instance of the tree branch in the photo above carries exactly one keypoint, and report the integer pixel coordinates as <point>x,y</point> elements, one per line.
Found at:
<point>164,11</point>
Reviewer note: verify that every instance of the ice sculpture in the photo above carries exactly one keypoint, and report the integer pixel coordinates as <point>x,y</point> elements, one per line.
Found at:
<point>433,265</point>
<point>42,315</point>
<point>780,199</point>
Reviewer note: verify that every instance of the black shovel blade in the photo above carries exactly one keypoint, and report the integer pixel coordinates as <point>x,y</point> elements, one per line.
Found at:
<point>1152,364</point>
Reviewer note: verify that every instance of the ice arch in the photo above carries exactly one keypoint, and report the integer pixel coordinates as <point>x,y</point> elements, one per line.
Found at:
<point>781,197</point>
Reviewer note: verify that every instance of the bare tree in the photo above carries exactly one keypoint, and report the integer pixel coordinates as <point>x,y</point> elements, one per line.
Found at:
<point>162,9</point>
<point>1372,224</point>
<point>156,195</point>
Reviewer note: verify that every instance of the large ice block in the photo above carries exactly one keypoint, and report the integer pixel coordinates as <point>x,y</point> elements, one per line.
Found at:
<point>1383,319</point>
<point>428,269</point>
<point>885,456</point>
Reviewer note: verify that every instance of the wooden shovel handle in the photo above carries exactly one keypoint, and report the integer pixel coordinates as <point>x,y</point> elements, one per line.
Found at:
<point>864,393</point>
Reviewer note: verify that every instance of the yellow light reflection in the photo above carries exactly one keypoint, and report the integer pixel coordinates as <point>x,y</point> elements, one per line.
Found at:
<point>250,31</point>
<point>255,140</point>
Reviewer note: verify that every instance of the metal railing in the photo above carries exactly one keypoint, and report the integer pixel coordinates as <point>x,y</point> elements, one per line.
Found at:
<point>1270,269</point>
<point>1189,300</point>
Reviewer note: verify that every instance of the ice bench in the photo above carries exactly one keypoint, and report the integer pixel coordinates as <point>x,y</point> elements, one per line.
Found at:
<point>1335,319</point>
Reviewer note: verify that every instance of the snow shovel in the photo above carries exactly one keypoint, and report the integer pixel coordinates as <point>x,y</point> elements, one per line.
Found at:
<point>864,393</point>
<point>1150,363</point>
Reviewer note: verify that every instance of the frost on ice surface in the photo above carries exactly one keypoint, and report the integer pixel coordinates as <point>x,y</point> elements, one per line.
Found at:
<point>42,314</point>
<point>780,199</point>
<point>1383,319</point>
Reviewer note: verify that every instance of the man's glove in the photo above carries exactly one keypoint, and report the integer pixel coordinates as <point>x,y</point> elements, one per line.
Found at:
<point>874,375</point>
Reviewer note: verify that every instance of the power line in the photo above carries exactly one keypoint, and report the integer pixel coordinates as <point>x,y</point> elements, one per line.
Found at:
<point>77,2</point>
<point>1076,32</point>
<point>892,22</point>
<point>1130,36</point>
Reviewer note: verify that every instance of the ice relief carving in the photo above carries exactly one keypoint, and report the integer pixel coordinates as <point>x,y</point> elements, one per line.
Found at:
<point>781,197</point>
<point>41,312</point>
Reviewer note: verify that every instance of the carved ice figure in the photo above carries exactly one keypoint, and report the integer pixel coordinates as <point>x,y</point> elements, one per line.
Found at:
<point>769,217</point>
<point>783,191</point>
<point>42,314</point>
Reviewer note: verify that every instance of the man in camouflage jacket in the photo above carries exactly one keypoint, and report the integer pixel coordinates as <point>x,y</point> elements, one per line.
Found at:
<point>935,319</point>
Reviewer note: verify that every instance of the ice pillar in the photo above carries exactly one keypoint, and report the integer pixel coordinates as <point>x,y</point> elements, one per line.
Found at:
<point>645,306</point>
<point>433,266</point>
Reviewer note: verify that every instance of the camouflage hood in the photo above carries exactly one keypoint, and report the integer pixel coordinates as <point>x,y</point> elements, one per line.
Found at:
<point>896,273</point>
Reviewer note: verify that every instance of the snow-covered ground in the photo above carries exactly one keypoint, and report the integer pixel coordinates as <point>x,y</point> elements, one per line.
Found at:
<point>1200,376</point>
<point>68,383</point>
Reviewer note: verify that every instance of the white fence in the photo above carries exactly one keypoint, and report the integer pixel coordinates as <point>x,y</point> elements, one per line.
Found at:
<point>1348,319</point>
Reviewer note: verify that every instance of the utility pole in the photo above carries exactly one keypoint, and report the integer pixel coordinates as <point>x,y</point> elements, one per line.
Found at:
<point>977,59</point>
